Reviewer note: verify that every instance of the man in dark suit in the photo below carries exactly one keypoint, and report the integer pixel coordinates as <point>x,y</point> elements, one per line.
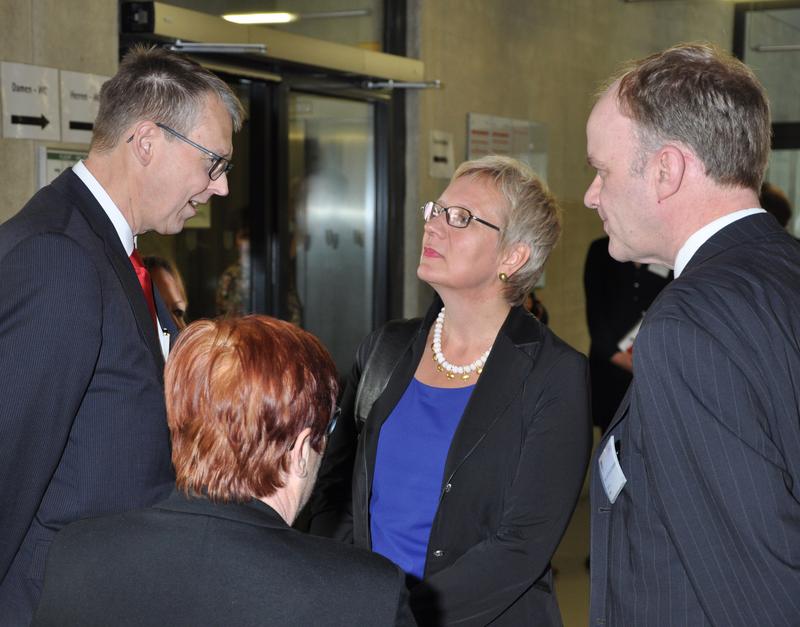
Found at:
<point>696,484</point>
<point>250,405</point>
<point>82,340</point>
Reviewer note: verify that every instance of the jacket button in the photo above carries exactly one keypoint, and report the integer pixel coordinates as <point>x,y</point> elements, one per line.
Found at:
<point>438,553</point>
<point>448,487</point>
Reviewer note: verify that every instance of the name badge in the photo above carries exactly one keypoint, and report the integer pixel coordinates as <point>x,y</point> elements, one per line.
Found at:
<point>660,270</point>
<point>610,471</point>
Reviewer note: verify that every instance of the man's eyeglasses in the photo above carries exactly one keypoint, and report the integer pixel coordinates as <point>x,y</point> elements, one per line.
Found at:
<point>457,217</point>
<point>219,165</point>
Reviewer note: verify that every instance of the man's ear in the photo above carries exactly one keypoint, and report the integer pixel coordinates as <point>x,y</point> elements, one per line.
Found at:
<point>670,164</point>
<point>514,259</point>
<point>142,141</point>
<point>300,454</point>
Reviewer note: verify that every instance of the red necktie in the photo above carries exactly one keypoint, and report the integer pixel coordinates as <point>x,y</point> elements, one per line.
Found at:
<point>145,281</point>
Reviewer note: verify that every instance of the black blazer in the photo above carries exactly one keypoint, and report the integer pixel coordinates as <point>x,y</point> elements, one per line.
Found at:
<point>706,531</point>
<point>512,477</point>
<point>82,411</point>
<point>192,562</point>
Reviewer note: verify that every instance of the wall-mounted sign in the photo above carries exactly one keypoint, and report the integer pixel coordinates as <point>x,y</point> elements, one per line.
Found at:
<point>53,161</point>
<point>521,139</point>
<point>441,164</point>
<point>30,101</point>
<point>80,100</point>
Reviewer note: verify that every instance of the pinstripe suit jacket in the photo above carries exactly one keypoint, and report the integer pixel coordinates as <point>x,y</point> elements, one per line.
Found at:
<point>82,420</point>
<point>706,530</point>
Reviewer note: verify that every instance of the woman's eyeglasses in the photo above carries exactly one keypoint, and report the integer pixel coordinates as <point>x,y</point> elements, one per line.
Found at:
<point>457,217</point>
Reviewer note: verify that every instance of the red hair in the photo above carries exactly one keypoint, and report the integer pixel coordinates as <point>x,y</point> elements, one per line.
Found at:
<point>239,391</point>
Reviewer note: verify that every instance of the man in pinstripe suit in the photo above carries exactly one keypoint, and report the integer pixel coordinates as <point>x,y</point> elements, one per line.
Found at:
<point>696,484</point>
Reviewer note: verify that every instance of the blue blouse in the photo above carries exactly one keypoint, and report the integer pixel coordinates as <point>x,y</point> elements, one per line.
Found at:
<point>409,467</point>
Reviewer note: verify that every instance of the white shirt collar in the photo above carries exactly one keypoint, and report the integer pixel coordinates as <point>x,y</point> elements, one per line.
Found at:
<point>114,214</point>
<point>698,238</point>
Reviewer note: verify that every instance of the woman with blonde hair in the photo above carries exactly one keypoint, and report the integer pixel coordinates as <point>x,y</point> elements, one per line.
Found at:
<point>465,435</point>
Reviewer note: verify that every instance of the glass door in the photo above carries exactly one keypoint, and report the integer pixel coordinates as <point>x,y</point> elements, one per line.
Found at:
<point>331,221</point>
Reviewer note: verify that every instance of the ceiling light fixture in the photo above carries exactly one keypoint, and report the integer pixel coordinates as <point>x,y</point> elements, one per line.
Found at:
<point>279,17</point>
<point>261,18</point>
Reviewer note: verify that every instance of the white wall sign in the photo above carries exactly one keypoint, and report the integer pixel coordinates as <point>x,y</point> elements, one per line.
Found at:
<point>30,101</point>
<point>441,164</point>
<point>80,100</point>
<point>521,139</point>
<point>53,161</point>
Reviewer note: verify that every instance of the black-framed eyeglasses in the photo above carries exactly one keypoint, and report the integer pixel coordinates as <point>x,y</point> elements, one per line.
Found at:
<point>219,165</point>
<point>332,422</point>
<point>457,217</point>
<point>330,427</point>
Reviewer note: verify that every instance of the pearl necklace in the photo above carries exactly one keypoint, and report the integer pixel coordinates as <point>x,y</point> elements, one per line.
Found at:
<point>444,366</point>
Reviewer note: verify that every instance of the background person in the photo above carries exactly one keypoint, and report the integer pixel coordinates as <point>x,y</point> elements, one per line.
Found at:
<point>250,404</point>
<point>472,424</point>
<point>169,283</point>
<point>695,502</point>
<point>617,296</point>
<point>81,349</point>
<point>774,201</point>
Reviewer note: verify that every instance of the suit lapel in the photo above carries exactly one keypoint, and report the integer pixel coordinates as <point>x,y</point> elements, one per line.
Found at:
<point>509,364</point>
<point>98,220</point>
<point>735,234</point>
<point>622,410</point>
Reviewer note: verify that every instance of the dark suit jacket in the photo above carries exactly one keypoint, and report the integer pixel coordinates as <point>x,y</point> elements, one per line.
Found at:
<point>511,480</point>
<point>81,404</point>
<point>707,529</point>
<point>193,562</point>
<point>617,295</point>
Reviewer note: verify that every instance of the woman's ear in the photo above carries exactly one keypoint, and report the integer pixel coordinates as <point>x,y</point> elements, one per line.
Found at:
<point>514,259</point>
<point>300,453</point>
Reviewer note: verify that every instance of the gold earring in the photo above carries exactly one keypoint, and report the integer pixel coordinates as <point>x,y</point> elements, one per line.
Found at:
<point>503,277</point>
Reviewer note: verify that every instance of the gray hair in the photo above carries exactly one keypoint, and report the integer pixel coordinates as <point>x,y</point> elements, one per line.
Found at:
<point>155,84</point>
<point>531,216</point>
<point>706,99</point>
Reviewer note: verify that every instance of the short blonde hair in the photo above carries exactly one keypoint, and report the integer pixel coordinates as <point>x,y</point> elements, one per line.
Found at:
<point>532,216</point>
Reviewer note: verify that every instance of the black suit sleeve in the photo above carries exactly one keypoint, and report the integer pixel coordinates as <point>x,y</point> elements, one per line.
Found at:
<point>491,575</point>
<point>50,339</point>
<point>717,474</point>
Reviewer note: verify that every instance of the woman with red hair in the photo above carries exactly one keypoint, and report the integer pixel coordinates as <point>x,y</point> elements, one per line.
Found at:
<point>250,406</point>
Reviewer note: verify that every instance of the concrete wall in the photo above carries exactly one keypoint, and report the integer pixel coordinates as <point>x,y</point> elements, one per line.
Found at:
<point>78,35</point>
<point>538,61</point>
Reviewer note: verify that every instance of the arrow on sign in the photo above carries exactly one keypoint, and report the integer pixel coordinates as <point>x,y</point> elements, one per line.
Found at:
<point>30,120</point>
<point>80,126</point>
